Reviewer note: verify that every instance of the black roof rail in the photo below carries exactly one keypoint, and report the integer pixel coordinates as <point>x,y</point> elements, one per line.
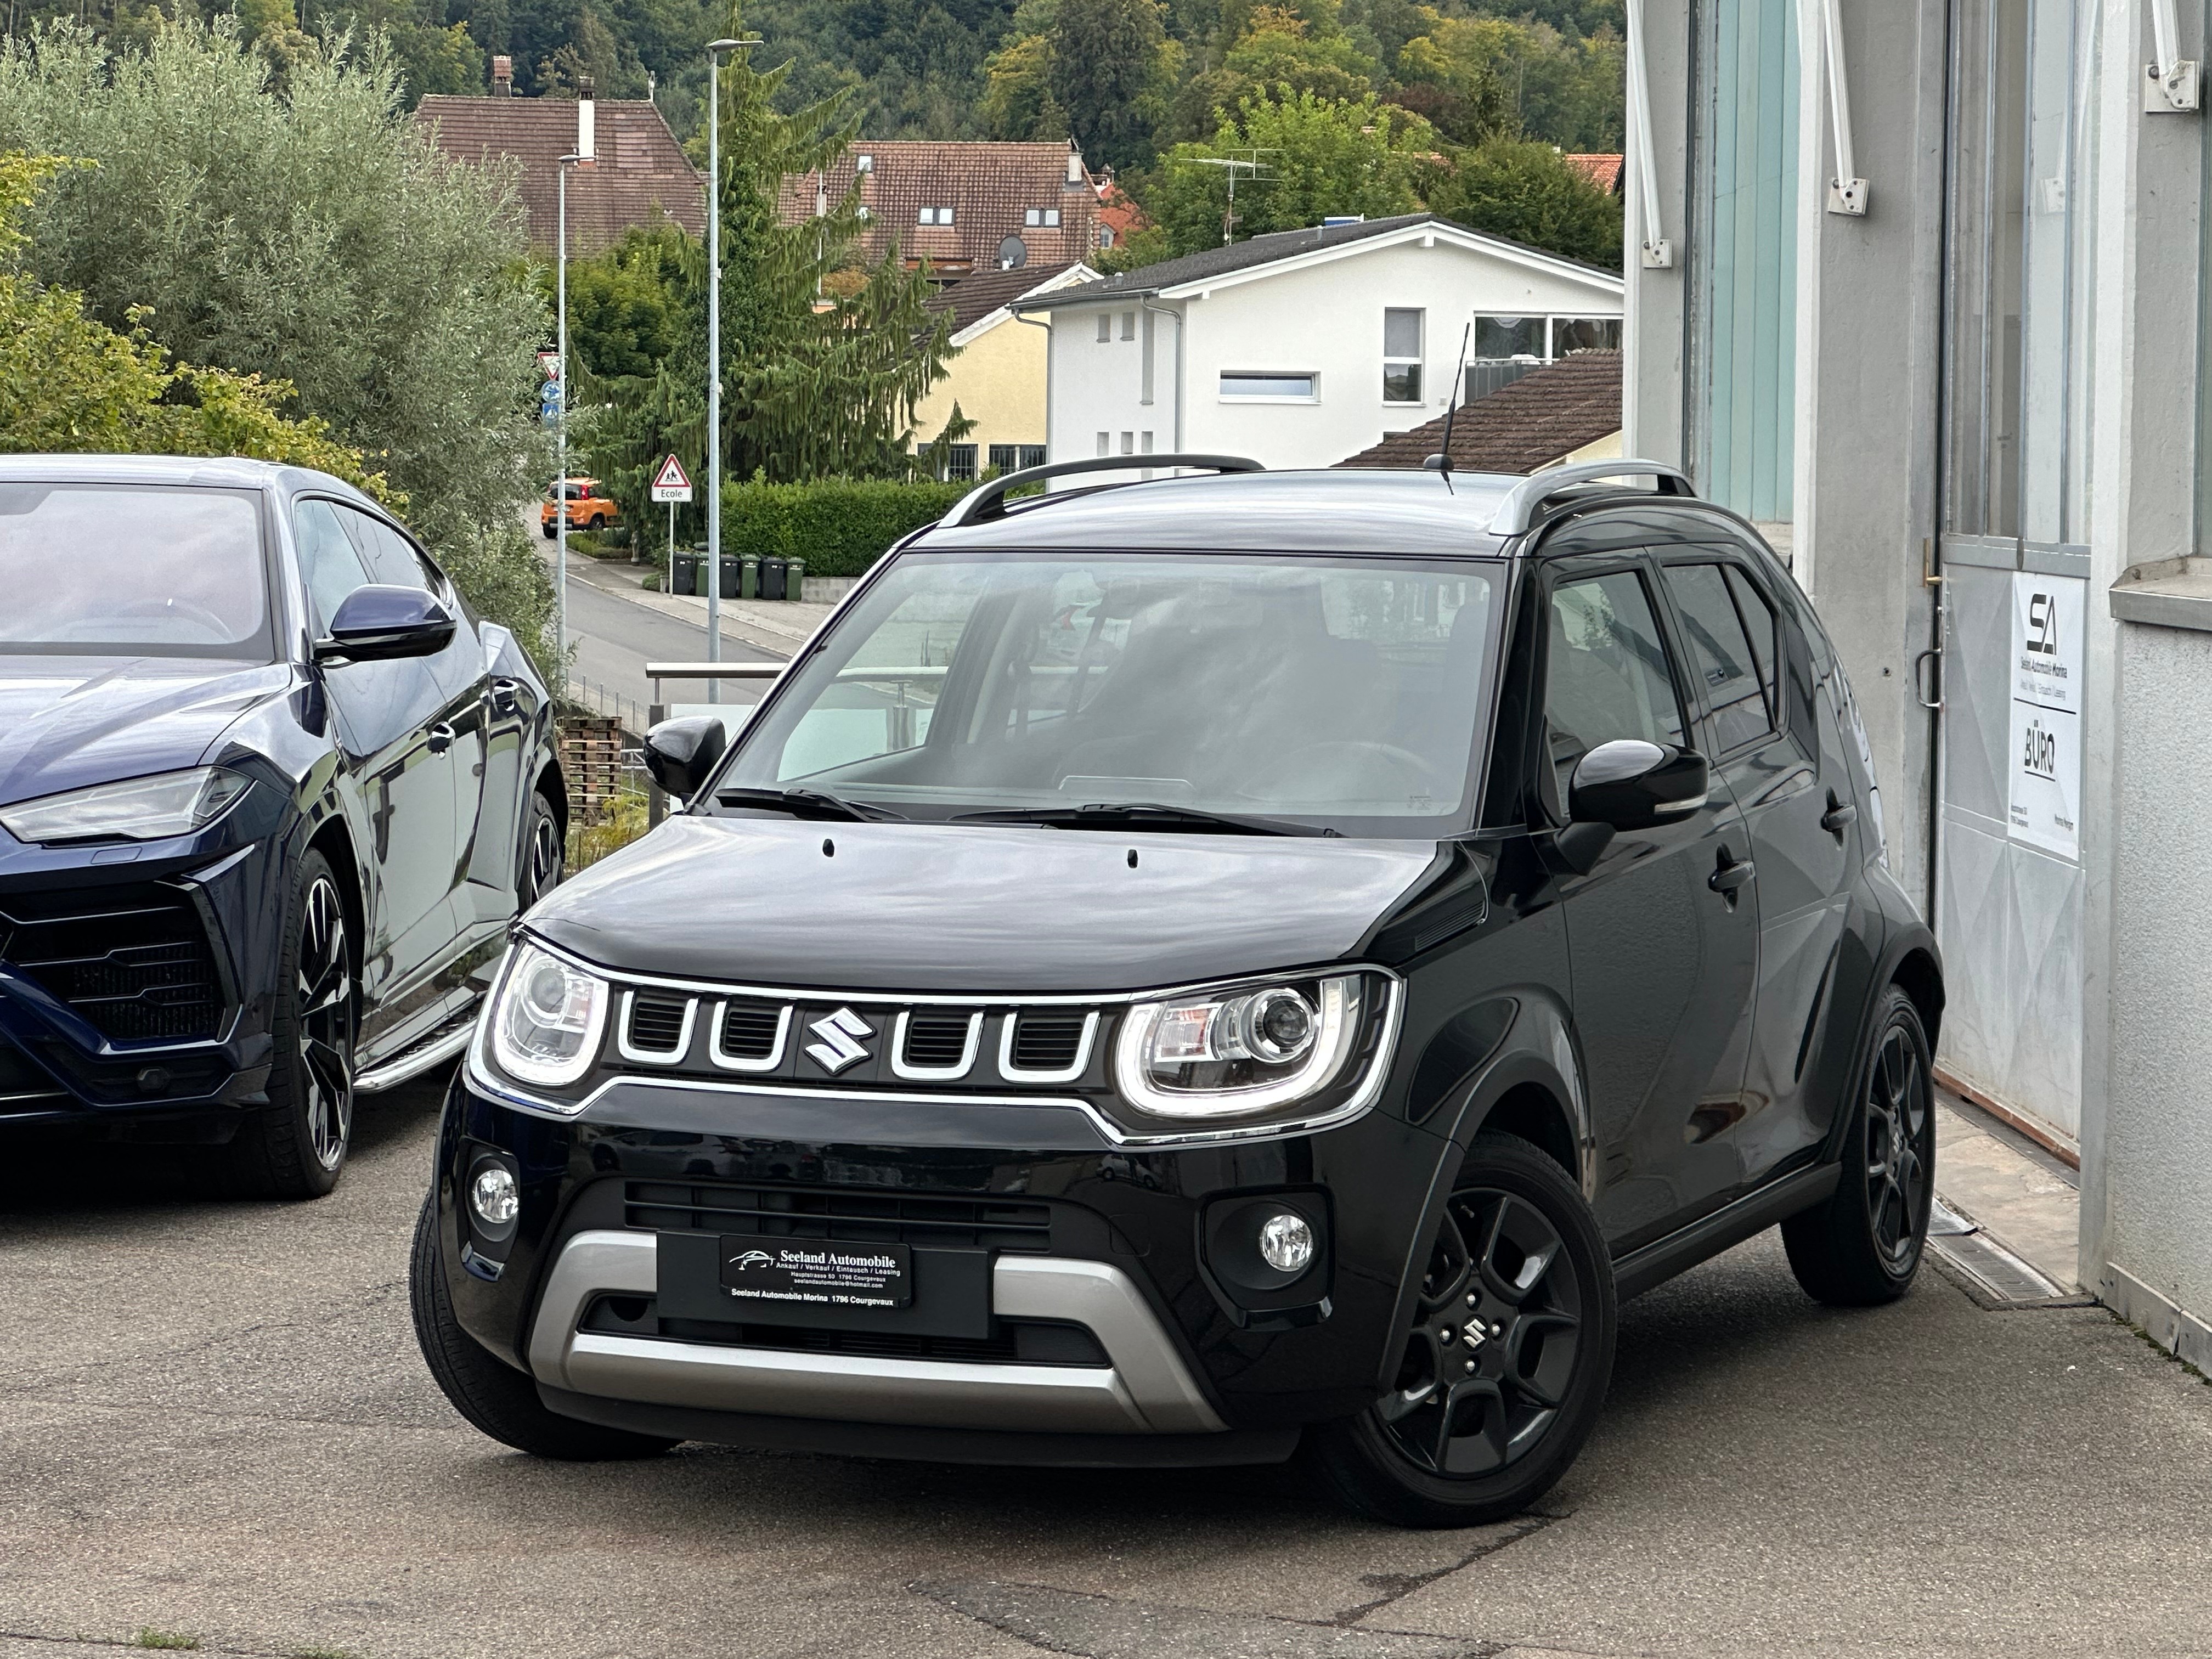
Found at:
<point>1517,512</point>
<point>988,500</point>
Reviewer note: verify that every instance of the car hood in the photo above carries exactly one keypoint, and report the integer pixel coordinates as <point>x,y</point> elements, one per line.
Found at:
<point>888,907</point>
<point>66,722</point>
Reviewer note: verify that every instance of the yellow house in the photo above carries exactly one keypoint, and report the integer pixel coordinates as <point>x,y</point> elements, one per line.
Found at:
<point>996,373</point>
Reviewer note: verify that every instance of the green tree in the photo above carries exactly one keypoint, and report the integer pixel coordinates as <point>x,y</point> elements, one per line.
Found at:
<point>1516,77</point>
<point>1323,156</point>
<point>1106,68</point>
<point>316,237</point>
<point>1527,192</point>
<point>1279,51</point>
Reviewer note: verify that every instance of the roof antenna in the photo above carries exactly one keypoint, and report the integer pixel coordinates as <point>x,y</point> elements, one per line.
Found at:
<point>1441,463</point>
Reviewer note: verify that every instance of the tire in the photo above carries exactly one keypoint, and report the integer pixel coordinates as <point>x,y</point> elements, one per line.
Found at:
<point>1862,1246</point>
<point>597,525</point>
<point>544,853</point>
<point>295,1146</point>
<point>1509,1426</point>
<point>493,1396</point>
<point>550,530</point>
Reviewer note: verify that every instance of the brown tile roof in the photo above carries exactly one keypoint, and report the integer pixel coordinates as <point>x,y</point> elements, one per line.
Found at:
<point>1603,171</point>
<point>973,298</point>
<point>990,187</point>
<point>1517,428</point>
<point>641,174</point>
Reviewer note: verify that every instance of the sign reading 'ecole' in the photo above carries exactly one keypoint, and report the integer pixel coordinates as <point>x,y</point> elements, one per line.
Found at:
<point>2047,617</point>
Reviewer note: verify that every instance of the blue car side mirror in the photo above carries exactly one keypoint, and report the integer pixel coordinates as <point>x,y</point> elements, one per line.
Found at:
<point>374,624</point>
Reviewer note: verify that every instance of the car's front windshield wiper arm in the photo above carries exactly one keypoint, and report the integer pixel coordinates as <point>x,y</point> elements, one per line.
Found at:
<point>1142,814</point>
<point>809,804</point>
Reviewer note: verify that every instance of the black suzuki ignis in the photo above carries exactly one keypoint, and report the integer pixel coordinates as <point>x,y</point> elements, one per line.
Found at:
<point>1203,971</point>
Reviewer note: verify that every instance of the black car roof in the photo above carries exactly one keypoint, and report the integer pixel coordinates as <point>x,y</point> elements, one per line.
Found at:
<point>1319,511</point>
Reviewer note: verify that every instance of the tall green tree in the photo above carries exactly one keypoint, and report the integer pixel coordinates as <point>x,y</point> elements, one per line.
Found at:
<point>1527,192</point>
<point>1099,71</point>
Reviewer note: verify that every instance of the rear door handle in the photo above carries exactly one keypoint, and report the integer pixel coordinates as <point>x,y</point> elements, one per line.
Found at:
<point>504,698</point>
<point>441,737</point>
<point>1730,875</point>
<point>1839,817</point>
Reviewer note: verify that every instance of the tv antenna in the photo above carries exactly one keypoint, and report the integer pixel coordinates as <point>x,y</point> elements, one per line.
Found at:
<point>1249,164</point>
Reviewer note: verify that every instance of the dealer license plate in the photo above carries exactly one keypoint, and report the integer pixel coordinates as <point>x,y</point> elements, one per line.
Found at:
<point>816,1273</point>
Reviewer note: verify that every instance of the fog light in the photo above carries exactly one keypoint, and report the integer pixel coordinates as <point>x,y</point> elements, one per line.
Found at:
<point>493,1196</point>
<point>1286,1242</point>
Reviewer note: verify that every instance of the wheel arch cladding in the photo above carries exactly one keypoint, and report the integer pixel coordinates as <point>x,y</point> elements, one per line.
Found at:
<point>336,845</point>
<point>1531,1112</point>
<point>1919,977</point>
<point>554,788</point>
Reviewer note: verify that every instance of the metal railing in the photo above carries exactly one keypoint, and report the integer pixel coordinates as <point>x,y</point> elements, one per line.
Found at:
<point>601,699</point>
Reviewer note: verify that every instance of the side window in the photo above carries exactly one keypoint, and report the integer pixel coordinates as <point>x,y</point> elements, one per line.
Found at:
<point>330,564</point>
<point>1761,623</point>
<point>1606,672</point>
<point>1721,653</point>
<point>390,556</point>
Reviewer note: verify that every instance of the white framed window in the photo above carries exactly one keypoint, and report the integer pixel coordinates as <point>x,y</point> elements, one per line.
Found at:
<point>1105,236</point>
<point>1128,443</point>
<point>1259,386</point>
<point>1047,217</point>
<point>1402,354</point>
<point>1105,443</point>
<point>933,215</point>
<point>1105,328</point>
<point>1128,325</point>
<point>864,164</point>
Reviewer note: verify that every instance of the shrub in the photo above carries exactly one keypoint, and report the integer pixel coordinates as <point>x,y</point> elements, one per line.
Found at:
<point>840,526</point>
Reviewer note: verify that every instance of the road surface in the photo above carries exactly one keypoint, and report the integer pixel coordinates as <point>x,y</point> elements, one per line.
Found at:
<point>615,638</point>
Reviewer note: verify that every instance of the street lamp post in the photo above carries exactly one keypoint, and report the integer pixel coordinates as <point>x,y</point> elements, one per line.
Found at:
<point>715,49</point>
<point>561,426</point>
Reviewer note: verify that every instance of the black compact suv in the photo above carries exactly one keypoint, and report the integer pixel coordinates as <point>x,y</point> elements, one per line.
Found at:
<point>1198,972</point>
<point>270,796</point>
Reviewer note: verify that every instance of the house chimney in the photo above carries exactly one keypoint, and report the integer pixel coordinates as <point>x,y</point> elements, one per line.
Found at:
<point>587,119</point>
<point>503,76</point>
<point>1075,173</point>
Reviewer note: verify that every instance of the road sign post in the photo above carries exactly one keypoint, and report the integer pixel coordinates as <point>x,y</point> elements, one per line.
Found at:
<point>671,485</point>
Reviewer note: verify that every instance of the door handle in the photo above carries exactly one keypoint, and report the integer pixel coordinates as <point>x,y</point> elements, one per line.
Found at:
<point>441,737</point>
<point>1839,817</point>
<point>503,698</point>
<point>1730,875</point>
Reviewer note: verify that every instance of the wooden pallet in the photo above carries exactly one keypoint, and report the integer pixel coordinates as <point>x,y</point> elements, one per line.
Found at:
<point>591,762</point>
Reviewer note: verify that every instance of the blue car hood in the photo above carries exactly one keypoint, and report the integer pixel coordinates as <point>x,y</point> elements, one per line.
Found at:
<point>66,722</point>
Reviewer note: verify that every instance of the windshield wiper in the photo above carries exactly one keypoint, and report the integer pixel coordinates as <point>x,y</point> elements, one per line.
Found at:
<point>810,804</point>
<point>1142,814</point>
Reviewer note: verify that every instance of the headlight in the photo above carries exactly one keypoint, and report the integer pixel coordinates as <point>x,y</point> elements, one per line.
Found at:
<point>546,1017</point>
<point>1238,1051</point>
<point>138,809</point>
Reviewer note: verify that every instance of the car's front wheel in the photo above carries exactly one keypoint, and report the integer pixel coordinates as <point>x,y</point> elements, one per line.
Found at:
<point>545,854</point>
<point>296,1145</point>
<point>1863,1245</point>
<point>1505,1361</point>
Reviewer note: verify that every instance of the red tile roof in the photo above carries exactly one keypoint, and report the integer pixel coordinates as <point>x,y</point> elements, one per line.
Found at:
<point>992,189</point>
<point>1118,213</point>
<point>1517,428</point>
<point>1603,171</point>
<point>641,178</point>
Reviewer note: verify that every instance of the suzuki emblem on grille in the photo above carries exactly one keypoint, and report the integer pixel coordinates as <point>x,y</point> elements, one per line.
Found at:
<point>840,1045</point>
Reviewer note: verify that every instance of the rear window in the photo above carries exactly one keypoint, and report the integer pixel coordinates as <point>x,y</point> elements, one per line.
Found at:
<point>101,569</point>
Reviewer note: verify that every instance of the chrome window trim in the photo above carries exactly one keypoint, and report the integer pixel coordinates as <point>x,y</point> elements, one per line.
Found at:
<point>1013,1073</point>
<point>734,1063</point>
<point>654,1056</point>
<point>937,1074</point>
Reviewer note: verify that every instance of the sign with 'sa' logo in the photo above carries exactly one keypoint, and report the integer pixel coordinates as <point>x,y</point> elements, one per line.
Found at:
<point>840,1045</point>
<point>2044,671</point>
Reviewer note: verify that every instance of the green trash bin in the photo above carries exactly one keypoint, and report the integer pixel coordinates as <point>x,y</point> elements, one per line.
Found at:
<point>749,581</point>
<point>795,582</point>
<point>703,573</point>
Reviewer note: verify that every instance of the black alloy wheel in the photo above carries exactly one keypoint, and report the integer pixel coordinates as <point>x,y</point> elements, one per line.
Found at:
<point>1503,1363</point>
<point>296,1145</point>
<point>545,856</point>
<point>1864,1243</point>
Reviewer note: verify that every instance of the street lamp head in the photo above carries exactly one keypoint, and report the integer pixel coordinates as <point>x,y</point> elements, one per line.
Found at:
<point>566,159</point>
<point>718,47</point>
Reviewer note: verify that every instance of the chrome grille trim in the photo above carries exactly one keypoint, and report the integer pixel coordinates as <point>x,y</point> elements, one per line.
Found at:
<point>631,1052</point>
<point>729,1062</point>
<point>938,1073</point>
<point>1014,1074</point>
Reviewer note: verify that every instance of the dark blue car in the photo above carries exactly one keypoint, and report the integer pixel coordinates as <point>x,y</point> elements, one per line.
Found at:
<point>269,796</point>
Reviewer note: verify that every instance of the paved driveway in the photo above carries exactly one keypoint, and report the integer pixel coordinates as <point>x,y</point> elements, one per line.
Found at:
<point>213,1422</point>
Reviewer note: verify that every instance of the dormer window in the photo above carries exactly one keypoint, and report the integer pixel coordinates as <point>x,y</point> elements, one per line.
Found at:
<point>933,215</point>
<point>1048,217</point>
<point>864,164</point>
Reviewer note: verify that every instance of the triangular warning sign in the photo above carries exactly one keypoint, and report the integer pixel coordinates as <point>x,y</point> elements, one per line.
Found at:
<point>671,476</point>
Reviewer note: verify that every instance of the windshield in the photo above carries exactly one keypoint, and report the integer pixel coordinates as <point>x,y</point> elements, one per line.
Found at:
<point>1342,693</point>
<point>132,569</point>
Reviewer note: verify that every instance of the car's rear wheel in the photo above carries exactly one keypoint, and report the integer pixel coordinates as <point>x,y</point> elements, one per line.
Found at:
<point>1863,1245</point>
<point>1504,1365</point>
<point>296,1145</point>
<point>599,523</point>
<point>493,1396</point>
<point>550,529</point>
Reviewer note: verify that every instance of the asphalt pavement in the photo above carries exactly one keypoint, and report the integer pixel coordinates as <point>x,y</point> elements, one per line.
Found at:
<point>214,1425</point>
<point>615,636</point>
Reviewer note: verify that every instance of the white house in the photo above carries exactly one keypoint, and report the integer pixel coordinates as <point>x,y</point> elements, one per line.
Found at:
<point>1300,348</point>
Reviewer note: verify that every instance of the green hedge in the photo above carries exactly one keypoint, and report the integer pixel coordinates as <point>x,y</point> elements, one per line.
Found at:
<point>840,526</point>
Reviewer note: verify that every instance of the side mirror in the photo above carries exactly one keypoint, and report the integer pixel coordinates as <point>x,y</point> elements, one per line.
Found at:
<point>1628,784</point>
<point>679,753</point>
<point>375,624</point>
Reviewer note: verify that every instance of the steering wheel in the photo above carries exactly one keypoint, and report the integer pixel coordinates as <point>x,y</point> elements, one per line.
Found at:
<point>1383,770</point>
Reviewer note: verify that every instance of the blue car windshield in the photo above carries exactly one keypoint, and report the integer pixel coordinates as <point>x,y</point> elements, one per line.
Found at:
<point>1340,693</point>
<point>112,569</point>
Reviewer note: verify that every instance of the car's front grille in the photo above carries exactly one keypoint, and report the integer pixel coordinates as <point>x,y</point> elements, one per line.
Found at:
<point>936,1040</point>
<point>656,1022</point>
<point>749,1029</point>
<point>854,1215</point>
<point>134,961</point>
<point>1047,1040</point>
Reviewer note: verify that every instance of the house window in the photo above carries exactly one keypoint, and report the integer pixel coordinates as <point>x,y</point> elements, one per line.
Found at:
<point>1571,334</point>
<point>1048,217</point>
<point>1144,443</point>
<point>1128,443</point>
<point>867,213</point>
<point>864,164</point>
<point>1105,443</point>
<point>1128,325</point>
<point>1032,454</point>
<point>1105,236</point>
<point>933,215</point>
<point>1497,338</point>
<point>1105,332</point>
<point>1008,458</point>
<point>960,463</point>
<point>1254,386</point>
<point>1401,357</point>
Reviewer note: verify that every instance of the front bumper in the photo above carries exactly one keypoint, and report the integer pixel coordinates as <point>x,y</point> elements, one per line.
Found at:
<point>1163,1362</point>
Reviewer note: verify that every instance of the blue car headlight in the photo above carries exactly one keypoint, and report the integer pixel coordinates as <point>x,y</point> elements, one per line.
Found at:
<point>135,808</point>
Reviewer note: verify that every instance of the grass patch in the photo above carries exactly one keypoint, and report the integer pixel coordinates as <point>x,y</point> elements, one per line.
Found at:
<point>147,1637</point>
<point>590,843</point>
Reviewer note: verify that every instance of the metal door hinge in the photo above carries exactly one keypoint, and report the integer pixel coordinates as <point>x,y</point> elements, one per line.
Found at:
<point>2170,84</point>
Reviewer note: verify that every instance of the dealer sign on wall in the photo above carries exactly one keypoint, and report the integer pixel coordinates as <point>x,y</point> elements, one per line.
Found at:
<point>2047,615</point>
